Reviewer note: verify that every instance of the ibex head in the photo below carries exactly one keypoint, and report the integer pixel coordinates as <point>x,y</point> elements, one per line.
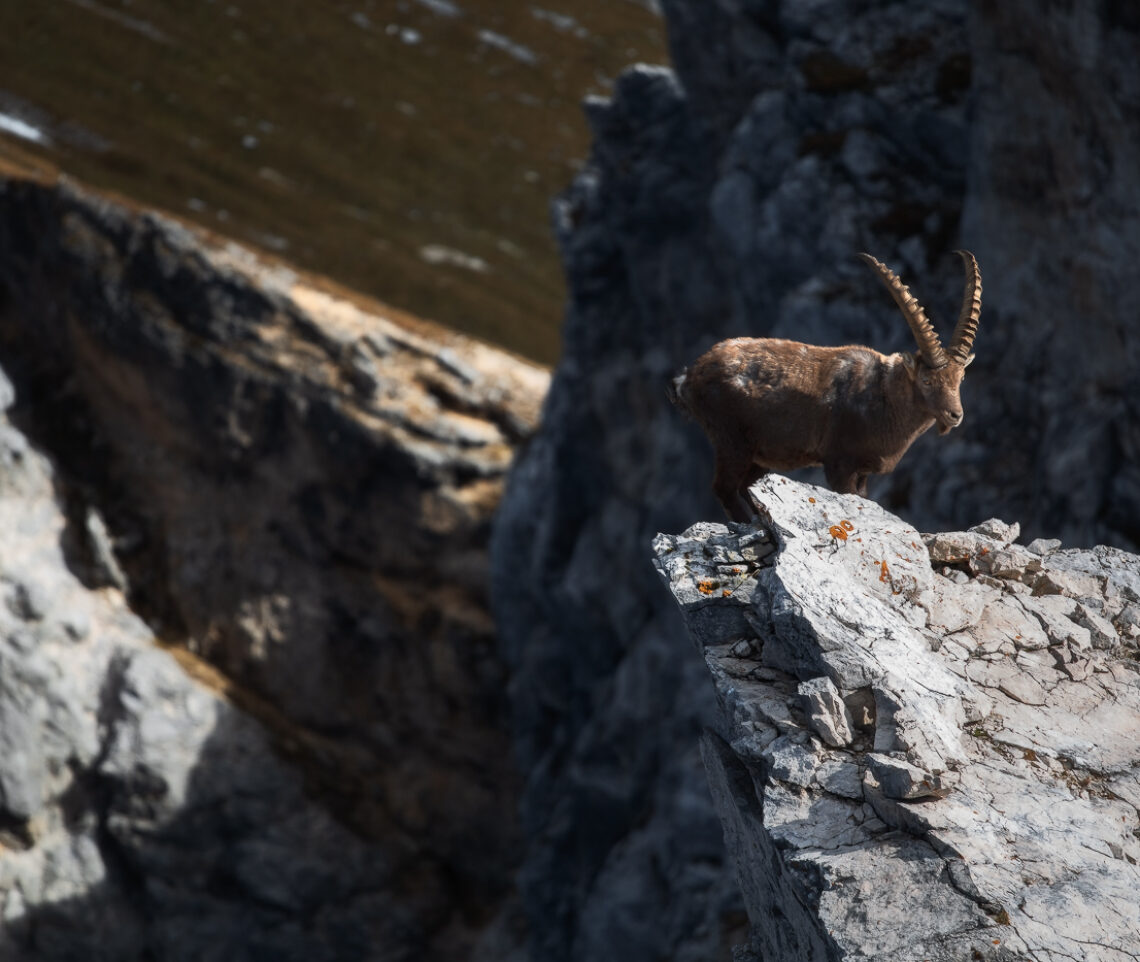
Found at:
<point>938,371</point>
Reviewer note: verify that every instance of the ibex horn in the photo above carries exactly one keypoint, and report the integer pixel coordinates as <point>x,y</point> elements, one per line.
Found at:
<point>967,327</point>
<point>928,344</point>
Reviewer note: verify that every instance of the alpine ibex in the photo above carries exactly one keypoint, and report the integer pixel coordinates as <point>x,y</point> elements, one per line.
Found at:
<point>768,404</point>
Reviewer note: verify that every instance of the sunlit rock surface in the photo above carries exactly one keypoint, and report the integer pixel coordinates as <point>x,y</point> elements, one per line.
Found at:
<point>985,802</point>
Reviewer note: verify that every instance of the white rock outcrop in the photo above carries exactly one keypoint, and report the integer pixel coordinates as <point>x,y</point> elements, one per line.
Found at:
<point>929,747</point>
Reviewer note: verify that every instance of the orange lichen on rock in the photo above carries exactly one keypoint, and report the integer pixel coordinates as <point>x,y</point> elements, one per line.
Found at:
<point>884,572</point>
<point>705,587</point>
<point>840,530</point>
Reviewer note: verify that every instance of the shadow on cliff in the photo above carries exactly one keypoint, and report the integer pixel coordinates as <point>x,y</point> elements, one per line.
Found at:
<point>240,862</point>
<point>264,526</point>
<point>387,830</point>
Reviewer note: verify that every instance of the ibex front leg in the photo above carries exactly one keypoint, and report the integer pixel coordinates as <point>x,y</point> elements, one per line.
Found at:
<point>844,479</point>
<point>730,485</point>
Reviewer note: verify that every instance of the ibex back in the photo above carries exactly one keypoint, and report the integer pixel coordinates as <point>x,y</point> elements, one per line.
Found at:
<point>769,404</point>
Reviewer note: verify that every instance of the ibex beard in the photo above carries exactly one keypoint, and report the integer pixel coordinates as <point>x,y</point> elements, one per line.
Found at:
<point>768,404</point>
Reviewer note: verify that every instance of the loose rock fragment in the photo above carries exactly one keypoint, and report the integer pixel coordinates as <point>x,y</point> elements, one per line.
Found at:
<point>1013,562</point>
<point>840,778</point>
<point>1101,630</point>
<point>899,779</point>
<point>791,762</point>
<point>1044,546</point>
<point>825,710</point>
<point>1056,613</point>
<point>998,530</point>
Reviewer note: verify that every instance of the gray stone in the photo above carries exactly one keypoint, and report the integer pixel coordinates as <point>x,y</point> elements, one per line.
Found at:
<point>840,778</point>
<point>119,771</point>
<point>27,599</point>
<point>1044,546</point>
<point>1071,584</point>
<point>1078,669</point>
<point>791,762</point>
<point>1009,677</point>
<point>743,649</point>
<point>826,713</point>
<point>780,888</point>
<point>22,756</point>
<point>1056,613</point>
<point>1024,688</point>
<point>102,551</point>
<point>901,780</point>
<point>303,513</point>
<point>998,530</point>
<point>960,547</point>
<point>1013,562</point>
<point>953,605</point>
<point>1008,621</point>
<point>1102,632</point>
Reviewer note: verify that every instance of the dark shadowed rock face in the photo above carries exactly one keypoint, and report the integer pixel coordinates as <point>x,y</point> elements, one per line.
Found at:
<point>1054,174</point>
<point>730,198</point>
<point>144,816</point>
<point>298,490</point>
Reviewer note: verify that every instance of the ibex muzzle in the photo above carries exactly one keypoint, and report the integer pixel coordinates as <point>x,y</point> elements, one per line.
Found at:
<point>769,404</point>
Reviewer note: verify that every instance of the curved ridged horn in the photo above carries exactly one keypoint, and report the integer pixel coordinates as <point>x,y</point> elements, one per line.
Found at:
<point>967,327</point>
<point>928,344</point>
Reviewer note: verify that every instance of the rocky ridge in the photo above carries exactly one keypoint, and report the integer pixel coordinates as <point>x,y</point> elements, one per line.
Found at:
<point>927,743</point>
<point>294,487</point>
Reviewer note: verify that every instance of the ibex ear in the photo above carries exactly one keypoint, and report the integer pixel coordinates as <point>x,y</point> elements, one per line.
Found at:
<point>909,362</point>
<point>969,360</point>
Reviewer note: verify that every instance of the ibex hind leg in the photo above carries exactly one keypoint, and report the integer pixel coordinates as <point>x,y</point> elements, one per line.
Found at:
<point>843,480</point>
<point>730,484</point>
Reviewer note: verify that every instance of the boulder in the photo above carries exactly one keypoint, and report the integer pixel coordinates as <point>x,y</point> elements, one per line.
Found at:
<point>993,798</point>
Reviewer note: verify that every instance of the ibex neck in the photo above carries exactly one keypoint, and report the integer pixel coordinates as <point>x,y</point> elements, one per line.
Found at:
<point>908,414</point>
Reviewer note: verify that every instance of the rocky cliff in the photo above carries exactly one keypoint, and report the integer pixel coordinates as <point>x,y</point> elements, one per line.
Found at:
<point>143,815</point>
<point>294,489</point>
<point>927,743</point>
<point>729,195</point>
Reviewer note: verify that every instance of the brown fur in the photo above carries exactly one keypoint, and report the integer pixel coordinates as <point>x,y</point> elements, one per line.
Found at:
<point>769,404</point>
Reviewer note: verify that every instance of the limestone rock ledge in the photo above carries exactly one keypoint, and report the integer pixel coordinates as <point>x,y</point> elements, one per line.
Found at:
<point>928,747</point>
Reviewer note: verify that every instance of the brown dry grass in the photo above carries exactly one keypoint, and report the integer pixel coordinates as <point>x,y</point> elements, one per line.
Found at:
<point>368,148</point>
